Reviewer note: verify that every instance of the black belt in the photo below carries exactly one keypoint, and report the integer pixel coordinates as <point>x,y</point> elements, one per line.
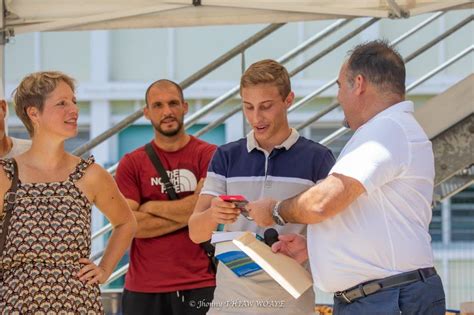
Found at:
<point>368,288</point>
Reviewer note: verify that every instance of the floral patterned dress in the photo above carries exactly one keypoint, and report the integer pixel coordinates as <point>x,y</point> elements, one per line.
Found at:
<point>49,232</point>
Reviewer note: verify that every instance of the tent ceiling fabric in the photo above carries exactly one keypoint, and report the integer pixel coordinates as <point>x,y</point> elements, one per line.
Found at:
<point>25,16</point>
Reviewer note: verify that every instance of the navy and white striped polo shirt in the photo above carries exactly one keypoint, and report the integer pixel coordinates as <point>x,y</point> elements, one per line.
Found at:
<point>243,168</point>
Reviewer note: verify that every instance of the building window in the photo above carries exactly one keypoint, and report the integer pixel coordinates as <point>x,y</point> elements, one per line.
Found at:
<point>436,224</point>
<point>462,216</point>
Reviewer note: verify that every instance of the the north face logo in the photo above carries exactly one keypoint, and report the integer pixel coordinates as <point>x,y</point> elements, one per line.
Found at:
<point>182,179</point>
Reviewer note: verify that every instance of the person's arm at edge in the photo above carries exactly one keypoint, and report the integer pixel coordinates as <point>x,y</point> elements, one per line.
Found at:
<point>5,185</point>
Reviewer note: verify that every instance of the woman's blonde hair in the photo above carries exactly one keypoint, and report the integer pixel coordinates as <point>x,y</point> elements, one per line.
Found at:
<point>33,90</point>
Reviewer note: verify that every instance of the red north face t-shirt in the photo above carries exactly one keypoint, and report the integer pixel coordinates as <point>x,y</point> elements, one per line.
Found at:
<point>170,262</point>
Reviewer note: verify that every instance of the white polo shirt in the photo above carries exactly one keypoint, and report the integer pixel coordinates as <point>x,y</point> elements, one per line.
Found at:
<point>385,231</point>
<point>19,146</point>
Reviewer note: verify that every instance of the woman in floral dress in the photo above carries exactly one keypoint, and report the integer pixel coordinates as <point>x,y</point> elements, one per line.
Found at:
<point>44,266</point>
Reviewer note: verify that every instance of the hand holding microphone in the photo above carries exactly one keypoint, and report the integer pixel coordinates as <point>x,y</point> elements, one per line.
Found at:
<point>291,245</point>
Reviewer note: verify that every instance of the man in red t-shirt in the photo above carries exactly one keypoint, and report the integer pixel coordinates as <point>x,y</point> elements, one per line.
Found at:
<point>168,273</point>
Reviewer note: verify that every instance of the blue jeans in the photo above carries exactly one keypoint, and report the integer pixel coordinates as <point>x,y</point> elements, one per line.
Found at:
<point>421,297</point>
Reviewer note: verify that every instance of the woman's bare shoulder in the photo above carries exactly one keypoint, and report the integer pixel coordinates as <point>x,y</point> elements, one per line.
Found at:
<point>97,175</point>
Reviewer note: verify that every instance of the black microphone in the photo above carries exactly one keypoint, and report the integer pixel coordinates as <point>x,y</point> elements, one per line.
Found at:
<point>270,236</point>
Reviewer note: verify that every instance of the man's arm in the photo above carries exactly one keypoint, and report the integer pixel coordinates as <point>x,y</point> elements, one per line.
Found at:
<point>322,201</point>
<point>376,156</point>
<point>150,225</point>
<point>209,212</point>
<point>177,211</point>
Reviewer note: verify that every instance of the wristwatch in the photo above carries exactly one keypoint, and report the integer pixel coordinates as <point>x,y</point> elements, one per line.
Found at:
<point>276,214</point>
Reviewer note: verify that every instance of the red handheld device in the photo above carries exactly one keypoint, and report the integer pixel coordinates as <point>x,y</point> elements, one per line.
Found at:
<point>239,201</point>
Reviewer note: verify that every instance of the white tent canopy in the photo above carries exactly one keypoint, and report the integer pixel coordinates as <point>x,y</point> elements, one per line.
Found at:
<point>23,16</point>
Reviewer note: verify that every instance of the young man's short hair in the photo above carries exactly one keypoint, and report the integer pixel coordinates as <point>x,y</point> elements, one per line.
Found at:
<point>267,72</point>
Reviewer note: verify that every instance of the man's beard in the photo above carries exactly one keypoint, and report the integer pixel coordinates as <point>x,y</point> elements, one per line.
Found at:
<point>169,133</point>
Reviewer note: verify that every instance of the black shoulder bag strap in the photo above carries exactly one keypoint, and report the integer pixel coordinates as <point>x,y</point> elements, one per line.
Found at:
<point>10,197</point>
<point>169,188</point>
<point>208,248</point>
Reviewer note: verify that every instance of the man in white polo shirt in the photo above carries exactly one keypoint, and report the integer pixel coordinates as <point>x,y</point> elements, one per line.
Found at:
<point>368,239</point>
